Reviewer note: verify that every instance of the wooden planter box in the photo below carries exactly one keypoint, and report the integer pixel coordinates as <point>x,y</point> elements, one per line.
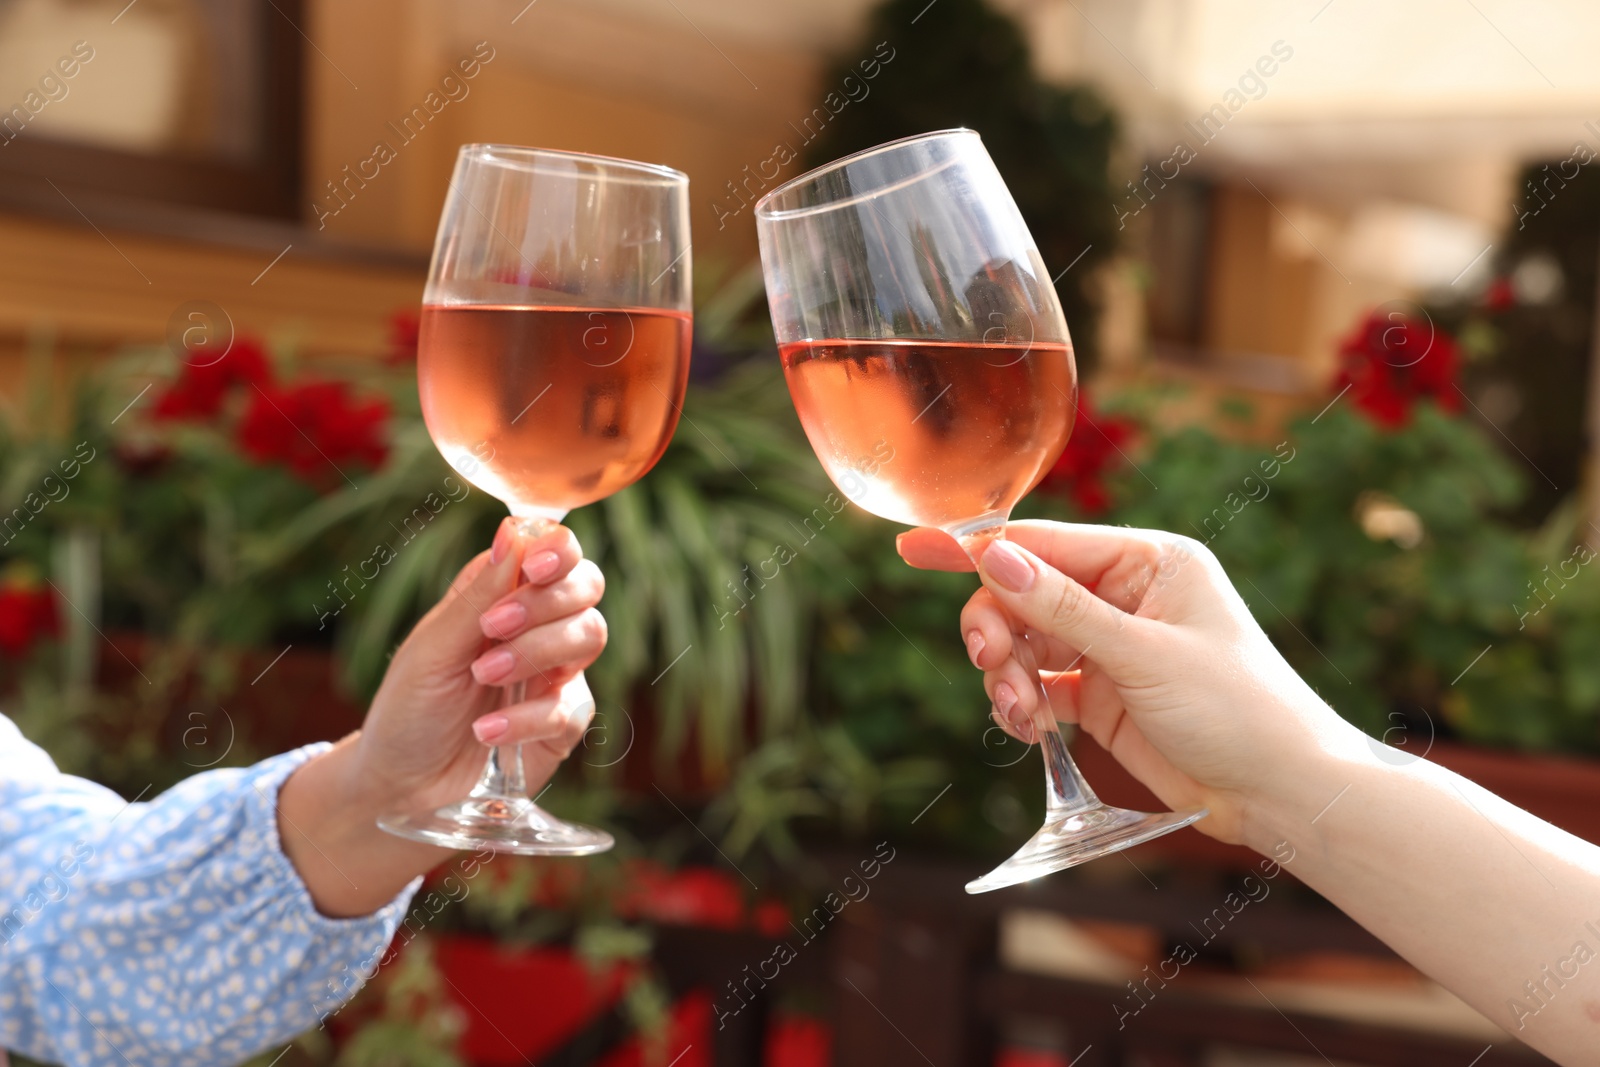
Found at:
<point>280,702</point>
<point>281,699</point>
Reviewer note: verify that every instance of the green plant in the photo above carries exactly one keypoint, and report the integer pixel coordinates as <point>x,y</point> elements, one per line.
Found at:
<point>1530,330</point>
<point>1387,567</point>
<point>799,681</point>
<point>409,1019</point>
<point>743,590</point>
<point>963,63</point>
<point>1372,615</point>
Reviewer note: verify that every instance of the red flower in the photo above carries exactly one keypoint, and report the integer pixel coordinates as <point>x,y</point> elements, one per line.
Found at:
<point>315,429</point>
<point>405,327</point>
<point>1500,295</point>
<point>556,885</point>
<point>1392,361</point>
<point>696,896</point>
<point>1094,449</point>
<point>200,389</point>
<point>140,457</point>
<point>770,917</point>
<point>799,1041</point>
<point>26,614</point>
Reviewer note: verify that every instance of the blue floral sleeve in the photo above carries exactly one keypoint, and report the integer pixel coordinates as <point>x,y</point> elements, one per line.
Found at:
<point>172,931</point>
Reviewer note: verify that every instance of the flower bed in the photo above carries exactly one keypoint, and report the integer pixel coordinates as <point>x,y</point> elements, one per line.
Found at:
<point>235,566</point>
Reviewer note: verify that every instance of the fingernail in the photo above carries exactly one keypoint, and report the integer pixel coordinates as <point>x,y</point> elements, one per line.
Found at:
<point>1005,698</point>
<point>491,727</point>
<point>492,666</point>
<point>1006,564</point>
<point>975,645</point>
<point>502,542</point>
<point>503,620</point>
<point>540,566</point>
<point>1016,718</point>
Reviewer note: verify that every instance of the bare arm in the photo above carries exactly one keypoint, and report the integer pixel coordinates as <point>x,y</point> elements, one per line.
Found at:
<point>1498,906</point>
<point>1164,666</point>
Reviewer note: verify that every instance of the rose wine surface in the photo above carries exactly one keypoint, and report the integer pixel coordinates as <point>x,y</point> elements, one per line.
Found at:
<point>550,408</point>
<point>933,433</point>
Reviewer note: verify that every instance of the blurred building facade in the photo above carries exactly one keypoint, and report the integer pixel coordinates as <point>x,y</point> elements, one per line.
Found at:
<point>1287,165</point>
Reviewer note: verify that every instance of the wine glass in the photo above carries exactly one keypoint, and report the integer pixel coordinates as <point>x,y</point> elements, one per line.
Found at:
<point>930,365</point>
<point>552,362</point>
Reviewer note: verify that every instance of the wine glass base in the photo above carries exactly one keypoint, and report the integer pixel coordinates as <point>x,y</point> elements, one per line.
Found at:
<point>1070,839</point>
<point>504,824</point>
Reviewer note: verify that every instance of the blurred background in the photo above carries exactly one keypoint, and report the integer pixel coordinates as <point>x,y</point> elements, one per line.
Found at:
<point>1330,267</point>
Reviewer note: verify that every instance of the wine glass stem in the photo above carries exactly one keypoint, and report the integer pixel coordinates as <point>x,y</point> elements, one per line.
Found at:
<point>503,777</point>
<point>1066,791</point>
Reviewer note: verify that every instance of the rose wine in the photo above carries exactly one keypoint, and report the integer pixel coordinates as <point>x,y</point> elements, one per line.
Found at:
<point>933,433</point>
<point>550,408</point>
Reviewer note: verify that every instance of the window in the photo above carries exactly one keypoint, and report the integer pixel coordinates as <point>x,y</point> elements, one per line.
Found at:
<point>180,102</point>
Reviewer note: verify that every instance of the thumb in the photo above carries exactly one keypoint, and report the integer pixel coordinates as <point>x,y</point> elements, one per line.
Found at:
<point>1042,598</point>
<point>450,634</point>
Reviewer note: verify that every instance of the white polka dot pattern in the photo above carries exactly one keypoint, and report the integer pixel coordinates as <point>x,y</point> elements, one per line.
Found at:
<point>171,932</point>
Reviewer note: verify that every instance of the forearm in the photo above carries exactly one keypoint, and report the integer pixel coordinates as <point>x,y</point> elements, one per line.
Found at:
<point>1478,894</point>
<point>245,960</point>
<point>327,823</point>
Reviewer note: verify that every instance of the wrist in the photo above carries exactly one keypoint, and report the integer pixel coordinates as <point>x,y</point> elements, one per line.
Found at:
<point>327,823</point>
<point>1310,779</point>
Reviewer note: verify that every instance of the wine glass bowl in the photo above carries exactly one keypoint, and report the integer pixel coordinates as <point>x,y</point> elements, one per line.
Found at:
<point>947,468</point>
<point>533,408</point>
<point>931,367</point>
<point>552,361</point>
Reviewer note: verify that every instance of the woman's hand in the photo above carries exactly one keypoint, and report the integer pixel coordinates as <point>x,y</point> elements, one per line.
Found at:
<point>1147,646</point>
<point>426,734</point>
<point>438,706</point>
<point>1143,642</point>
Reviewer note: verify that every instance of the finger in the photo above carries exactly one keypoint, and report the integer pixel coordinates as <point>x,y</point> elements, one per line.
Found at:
<point>986,632</point>
<point>1009,688</point>
<point>559,719</point>
<point>1012,700</point>
<point>449,633</point>
<point>1044,598</point>
<point>549,551</point>
<point>574,641</point>
<point>932,550</point>
<point>1118,564</point>
<point>1087,553</point>
<point>1014,692</point>
<point>580,706</point>
<point>1105,719</point>
<point>1101,712</point>
<point>1083,552</point>
<point>1119,735</point>
<point>533,605</point>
